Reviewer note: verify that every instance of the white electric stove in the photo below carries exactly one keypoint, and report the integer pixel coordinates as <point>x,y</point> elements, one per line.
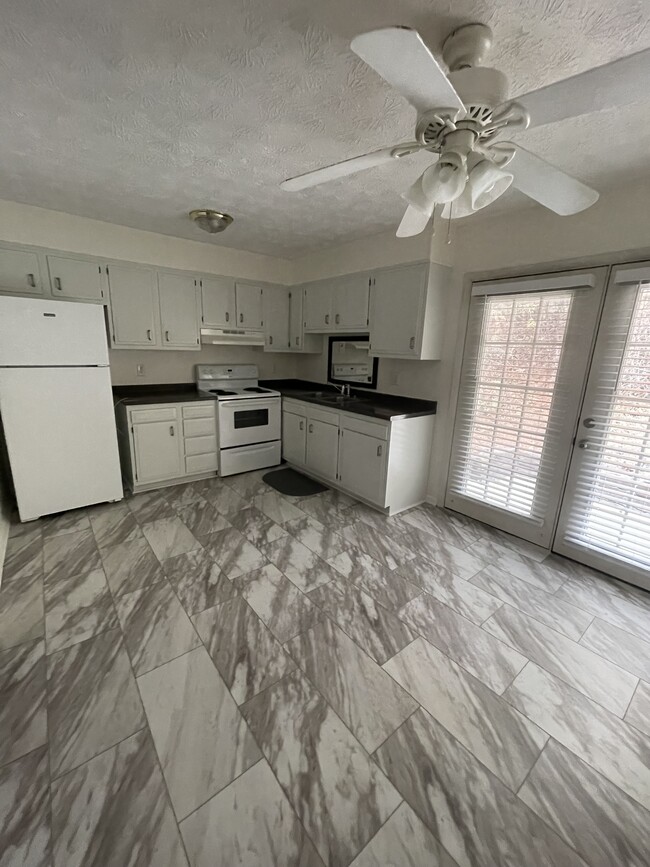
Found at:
<point>248,417</point>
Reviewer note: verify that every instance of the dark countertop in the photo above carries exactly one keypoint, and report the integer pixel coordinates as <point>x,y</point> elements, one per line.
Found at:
<point>368,403</point>
<point>178,392</point>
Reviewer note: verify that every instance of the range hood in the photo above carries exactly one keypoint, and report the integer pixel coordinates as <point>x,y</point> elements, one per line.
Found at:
<point>242,336</point>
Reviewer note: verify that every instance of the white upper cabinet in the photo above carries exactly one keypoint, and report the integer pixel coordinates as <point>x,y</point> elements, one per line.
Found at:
<point>276,318</point>
<point>218,302</point>
<point>76,279</point>
<point>317,307</point>
<point>134,307</point>
<point>20,272</point>
<point>249,306</point>
<point>406,311</point>
<point>350,302</point>
<point>179,310</point>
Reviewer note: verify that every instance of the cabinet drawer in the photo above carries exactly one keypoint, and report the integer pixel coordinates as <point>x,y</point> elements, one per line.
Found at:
<point>299,407</point>
<point>324,415</point>
<point>200,410</point>
<point>161,413</point>
<point>199,427</point>
<point>200,445</point>
<point>200,463</point>
<point>361,425</point>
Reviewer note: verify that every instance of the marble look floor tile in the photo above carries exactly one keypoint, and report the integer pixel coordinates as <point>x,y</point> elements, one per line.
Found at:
<point>276,507</point>
<point>532,572</point>
<point>375,629</point>
<point>66,522</point>
<point>434,549</point>
<point>543,606</point>
<point>113,811</point>
<point>247,656</point>
<point>202,518</point>
<point>25,811</point>
<point>387,588</point>
<point>595,677</point>
<point>257,527</point>
<point>155,626</point>
<point>368,701</point>
<point>607,743</point>
<point>492,730</point>
<point>320,539</point>
<point>438,522</point>
<point>21,609</point>
<point>76,608</point>
<point>150,506</point>
<point>249,824</point>
<point>169,537</point>
<point>130,566</point>
<point>22,559</point>
<point>466,599</point>
<point>113,523</point>
<point>638,713</point>
<point>344,798</point>
<point>403,841</point>
<point>301,566</point>
<point>495,543</point>
<point>600,821</point>
<point>23,723</point>
<point>198,581</point>
<point>619,646</point>
<point>249,485</point>
<point>478,820</point>
<point>329,511</point>
<point>374,542</point>
<point>226,501</point>
<point>232,552</point>
<point>72,554</point>
<point>610,600</point>
<point>277,602</point>
<point>22,534</point>
<point>200,736</point>
<point>490,660</point>
<point>93,700</point>
<point>179,496</point>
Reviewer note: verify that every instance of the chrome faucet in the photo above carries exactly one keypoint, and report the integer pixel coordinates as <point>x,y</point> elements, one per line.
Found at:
<point>345,389</point>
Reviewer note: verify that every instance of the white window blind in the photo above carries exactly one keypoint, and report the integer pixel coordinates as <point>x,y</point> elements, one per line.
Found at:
<point>609,498</point>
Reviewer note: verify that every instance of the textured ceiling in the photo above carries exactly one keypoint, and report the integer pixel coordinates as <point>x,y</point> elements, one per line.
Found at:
<point>136,112</point>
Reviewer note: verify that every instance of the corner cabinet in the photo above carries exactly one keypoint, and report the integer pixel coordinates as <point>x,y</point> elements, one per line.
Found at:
<point>383,463</point>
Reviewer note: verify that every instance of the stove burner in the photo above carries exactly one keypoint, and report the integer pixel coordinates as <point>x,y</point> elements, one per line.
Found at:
<point>257,389</point>
<point>221,391</point>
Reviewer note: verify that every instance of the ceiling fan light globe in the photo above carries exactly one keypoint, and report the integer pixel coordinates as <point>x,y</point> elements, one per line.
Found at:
<point>446,182</point>
<point>486,184</point>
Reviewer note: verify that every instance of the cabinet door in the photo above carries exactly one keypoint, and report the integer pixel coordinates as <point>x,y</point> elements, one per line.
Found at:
<point>295,318</point>
<point>294,437</point>
<point>249,306</point>
<point>362,466</point>
<point>351,303</point>
<point>318,307</point>
<point>75,278</point>
<point>218,300</point>
<point>179,311</point>
<point>276,318</point>
<point>158,451</point>
<point>20,272</point>
<point>322,448</point>
<point>397,299</point>
<point>134,307</point>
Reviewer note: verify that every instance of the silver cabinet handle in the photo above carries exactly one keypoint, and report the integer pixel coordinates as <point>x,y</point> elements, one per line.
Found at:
<point>57,284</point>
<point>311,428</point>
<point>584,444</point>
<point>149,334</point>
<point>301,425</point>
<point>241,317</point>
<point>327,319</point>
<point>227,316</point>
<point>589,422</point>
<point>167,336</point>
<point>379,451</point>
<point>337,319</point>
<point>31,281</point>
<point>171,430</point>
<point>412,343</point>
<point>270,340</point>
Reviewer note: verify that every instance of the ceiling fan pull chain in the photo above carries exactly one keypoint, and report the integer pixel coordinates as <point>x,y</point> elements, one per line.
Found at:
<point>451,209</point>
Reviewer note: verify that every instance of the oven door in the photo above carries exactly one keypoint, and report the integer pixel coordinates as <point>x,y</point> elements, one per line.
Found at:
<point>244,422</point>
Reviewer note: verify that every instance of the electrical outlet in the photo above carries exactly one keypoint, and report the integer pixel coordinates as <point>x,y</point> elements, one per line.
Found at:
<point>140,370</point>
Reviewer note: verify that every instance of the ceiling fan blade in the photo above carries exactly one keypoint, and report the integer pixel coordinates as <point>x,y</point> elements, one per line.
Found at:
<point>413,222</point>
<point>549,185</point>
<point>349,167</point>
<point>402,59</point>
<point>614,84</point>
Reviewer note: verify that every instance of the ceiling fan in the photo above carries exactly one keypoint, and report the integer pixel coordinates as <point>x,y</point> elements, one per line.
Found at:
<point>461,116</point>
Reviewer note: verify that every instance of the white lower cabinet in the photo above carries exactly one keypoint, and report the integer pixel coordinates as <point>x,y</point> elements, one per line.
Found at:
<point>323,445</point>
<point>157,450</point>
<point>294,437</point>
<point>362,465</point>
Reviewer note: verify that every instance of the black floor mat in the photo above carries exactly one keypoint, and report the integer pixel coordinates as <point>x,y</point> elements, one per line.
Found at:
<point>294,484</point>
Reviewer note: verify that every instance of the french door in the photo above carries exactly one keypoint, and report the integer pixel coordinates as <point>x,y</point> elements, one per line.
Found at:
<point>524,368</point>
<point>605,515</point>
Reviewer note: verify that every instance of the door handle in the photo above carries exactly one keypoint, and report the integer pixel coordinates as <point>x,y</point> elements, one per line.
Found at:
<point>149,336</point>
<point>57,284</point>
<point>227,316</point>
<point>31,281</point>
<point>301,426</point>
<point>379,451</point>
<point>337,319</point>
<point>311,428</point>
<point>241,317</point>
<point>412,343</point>
<point>327,319</point>
<point>584,444</point>
<point>589,422</point>
<point>270,340</point>
<point>167,336</point>
<point>171,430</point>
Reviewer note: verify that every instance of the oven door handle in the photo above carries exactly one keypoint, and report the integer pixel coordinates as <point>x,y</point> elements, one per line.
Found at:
<point>261,403</point>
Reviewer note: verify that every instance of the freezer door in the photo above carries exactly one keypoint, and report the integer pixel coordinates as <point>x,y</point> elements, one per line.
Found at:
<point>36,333</point>
<point>61,438</point>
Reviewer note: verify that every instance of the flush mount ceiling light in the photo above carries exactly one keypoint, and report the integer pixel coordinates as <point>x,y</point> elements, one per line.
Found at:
<point>210,221</point>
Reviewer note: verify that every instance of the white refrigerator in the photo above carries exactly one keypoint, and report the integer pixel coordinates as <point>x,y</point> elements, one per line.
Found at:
<point>56,405</point>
